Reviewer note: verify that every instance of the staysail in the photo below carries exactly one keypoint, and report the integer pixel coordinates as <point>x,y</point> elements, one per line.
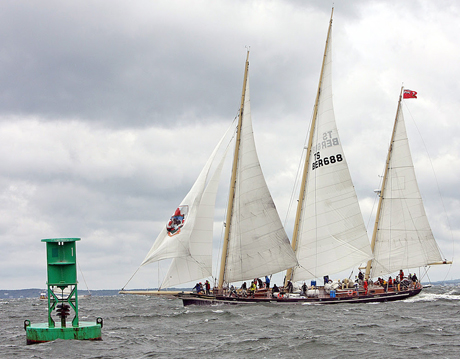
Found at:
<point>402,234</point>
<point>188,236</point>
<point>330,235</point>
<point>257,242</point>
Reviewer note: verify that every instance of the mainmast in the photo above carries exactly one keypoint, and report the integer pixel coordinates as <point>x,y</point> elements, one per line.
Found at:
<point>290,271</point>
<point>231,195</point>
<point>377,217</point>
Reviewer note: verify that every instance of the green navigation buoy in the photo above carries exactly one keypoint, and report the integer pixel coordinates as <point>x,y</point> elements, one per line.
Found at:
<point>62,297</point>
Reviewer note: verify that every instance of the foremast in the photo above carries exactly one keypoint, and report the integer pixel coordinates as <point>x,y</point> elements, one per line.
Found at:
<point>379,208</point>
<point>295,234</point>
<point>231,195</point>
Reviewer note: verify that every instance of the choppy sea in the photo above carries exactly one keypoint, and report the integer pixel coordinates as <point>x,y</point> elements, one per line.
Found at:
<point>426,326</point>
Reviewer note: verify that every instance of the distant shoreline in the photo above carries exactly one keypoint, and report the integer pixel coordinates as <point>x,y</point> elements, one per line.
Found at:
<point>35,292</point>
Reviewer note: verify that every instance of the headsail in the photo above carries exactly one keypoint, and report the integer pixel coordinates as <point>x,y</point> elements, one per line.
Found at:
<point>188,235</point>
<point>330,233</point>
<point>198,264</point>
<point>403,237</point>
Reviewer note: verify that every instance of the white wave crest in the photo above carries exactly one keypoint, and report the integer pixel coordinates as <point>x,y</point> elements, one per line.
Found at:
<point>432,297</point>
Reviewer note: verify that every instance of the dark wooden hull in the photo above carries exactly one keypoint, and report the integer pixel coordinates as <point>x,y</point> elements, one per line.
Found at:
<point>196,299</point>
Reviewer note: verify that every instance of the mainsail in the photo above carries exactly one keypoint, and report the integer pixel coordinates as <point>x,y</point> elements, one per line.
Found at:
<point>329,234</point>
<point>402,234</point>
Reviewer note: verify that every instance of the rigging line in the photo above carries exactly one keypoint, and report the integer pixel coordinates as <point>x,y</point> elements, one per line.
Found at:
<point>383,269</point>
<point>131,277</point>
<point>306,270</point>
<point>346,244</point>
<point>450,267</point>
<point>426,273</point>
<point>376,198</point>
<point>202,266</point>
<point>298,176</point>
<point>84,280</point>
<point>437,183</point>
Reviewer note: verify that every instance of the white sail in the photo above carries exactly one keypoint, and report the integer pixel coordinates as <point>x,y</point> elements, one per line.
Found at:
<point>189,240</point>
<point>332,236</point>
<point>198,264</point>
<point>258,244</point>
<point>403,238</point>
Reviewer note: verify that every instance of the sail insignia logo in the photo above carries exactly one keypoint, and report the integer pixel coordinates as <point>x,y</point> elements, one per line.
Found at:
<point>177,221</point>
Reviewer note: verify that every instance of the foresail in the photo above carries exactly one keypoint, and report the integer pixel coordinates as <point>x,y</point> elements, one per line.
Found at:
<point>404,238</point>
<point>184,270</point>
<point>332,236</point>
<point>258,244</point>
<point>188,235</point>
<point>198,264</point>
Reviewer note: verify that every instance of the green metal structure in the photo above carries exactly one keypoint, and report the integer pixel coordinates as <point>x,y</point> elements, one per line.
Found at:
<point>62,276</point>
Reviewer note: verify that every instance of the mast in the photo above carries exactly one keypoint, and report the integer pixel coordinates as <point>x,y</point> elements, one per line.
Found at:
<point>231,195</point>
<point>307,158</point>
<point>377,217</point>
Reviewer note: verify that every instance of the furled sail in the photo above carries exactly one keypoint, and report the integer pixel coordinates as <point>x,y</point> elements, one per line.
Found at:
<point>331,233</point>
<point>188,235</point>
<point>403,237</point>
<point>258,244</point>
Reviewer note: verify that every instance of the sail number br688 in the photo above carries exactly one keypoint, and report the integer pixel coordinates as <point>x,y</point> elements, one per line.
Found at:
<point>319,162</point>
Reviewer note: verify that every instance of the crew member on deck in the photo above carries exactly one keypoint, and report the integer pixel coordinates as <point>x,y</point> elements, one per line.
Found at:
<point>244,289</point>
<point>289,287</point>
<point>260,283</point>
<point>199,288</point>
<point>397,283</point>
<point>304,289</point>
<point>252,288</point>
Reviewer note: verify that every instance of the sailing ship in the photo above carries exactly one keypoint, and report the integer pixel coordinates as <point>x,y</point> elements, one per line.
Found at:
<point>329,233</point>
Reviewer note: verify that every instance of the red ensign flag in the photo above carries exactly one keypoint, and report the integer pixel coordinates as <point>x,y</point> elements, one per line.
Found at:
<point>410,94</point>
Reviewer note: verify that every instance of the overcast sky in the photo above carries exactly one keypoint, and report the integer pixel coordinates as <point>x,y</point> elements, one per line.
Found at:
<point>109,110</point>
